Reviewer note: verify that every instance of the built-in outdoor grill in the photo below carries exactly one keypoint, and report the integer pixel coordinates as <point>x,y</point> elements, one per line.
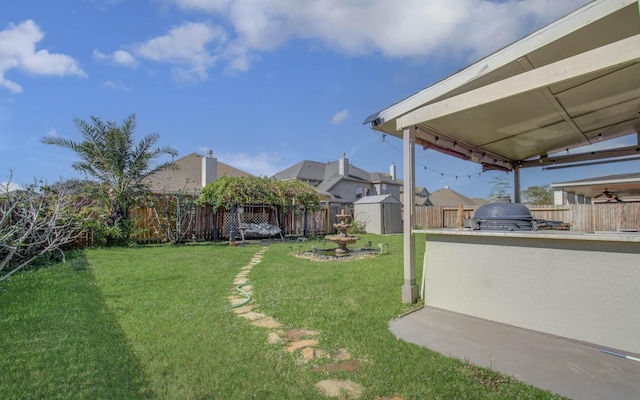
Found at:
<point>507,216</point>
<point>503,217</point>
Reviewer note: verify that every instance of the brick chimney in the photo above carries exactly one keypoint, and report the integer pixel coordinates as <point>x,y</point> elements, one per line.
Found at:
<point>209,168</point>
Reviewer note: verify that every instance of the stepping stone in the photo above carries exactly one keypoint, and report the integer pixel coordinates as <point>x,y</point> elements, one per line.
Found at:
<point>274,338</point>
<point>347,366</point>
<point>340,389</point>
<point>240,281</point>
<point>298,333</point>
<point>235,302</point>
<point>243,310</point>
<point>307,354</point>
<point>341,354</point>
<point>293,346</point>
<point>252,316</point>
<point>267,322</point>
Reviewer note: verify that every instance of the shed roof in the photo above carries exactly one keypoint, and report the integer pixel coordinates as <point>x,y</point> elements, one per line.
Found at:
<point>378,199</point>
<point>569,84</point>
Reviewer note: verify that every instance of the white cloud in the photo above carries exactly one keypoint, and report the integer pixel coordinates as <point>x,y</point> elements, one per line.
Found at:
<point>261,164</point>
<point>18,51</point>
<point>116,85</point>
<point>339,116</point>
<point>119,57</point>
<point>185,46</point>
<point>52,132</point>
<point>416,28</point>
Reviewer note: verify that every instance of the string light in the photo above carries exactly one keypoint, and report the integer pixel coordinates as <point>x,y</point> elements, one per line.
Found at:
<point>435,171</point>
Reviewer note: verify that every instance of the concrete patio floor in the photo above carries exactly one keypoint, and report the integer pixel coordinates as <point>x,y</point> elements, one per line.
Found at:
<point>572,369</point>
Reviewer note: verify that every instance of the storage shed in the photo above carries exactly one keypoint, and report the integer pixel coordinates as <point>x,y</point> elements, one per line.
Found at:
<point>380,214</point>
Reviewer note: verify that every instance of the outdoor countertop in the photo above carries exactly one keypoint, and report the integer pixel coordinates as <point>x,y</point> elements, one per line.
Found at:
<point>633,237</point>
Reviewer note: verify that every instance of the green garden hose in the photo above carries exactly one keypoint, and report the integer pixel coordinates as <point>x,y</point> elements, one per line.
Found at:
<point>247,295</point>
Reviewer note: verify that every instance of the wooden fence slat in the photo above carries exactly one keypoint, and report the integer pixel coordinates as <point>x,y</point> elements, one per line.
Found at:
<point>605,217</point>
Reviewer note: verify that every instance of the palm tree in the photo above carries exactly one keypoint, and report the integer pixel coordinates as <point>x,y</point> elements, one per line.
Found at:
<point>108,153</point>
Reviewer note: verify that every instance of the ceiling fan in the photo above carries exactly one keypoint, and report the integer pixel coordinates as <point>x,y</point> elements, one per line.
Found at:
<point>611,196</point>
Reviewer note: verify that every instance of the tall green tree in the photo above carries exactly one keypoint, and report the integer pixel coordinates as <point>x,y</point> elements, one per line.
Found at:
<point>538,195</point>
<point>109,154</point>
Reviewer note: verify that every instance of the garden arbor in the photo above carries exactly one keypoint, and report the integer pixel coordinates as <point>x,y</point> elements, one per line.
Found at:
<point>230,192</point>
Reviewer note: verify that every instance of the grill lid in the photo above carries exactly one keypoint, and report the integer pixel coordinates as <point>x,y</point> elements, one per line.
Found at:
<point>503,216</point>
<point>503,211</point>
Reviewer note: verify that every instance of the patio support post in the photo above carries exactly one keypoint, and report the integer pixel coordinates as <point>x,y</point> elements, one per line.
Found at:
<point>516,184</point>
<point>409,288</point>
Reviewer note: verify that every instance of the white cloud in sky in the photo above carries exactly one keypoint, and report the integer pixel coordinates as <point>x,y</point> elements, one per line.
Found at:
<point>339,116</point>
<point>119,57</point>
<point>410,29</point>
<point>18,51</point>
<point>261,164</point>
<point>52,132</point>
<point>185,46</point>
<point>413,28</point>
<point>116,85</point>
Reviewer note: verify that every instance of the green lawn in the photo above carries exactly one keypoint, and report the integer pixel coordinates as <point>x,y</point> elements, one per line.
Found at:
<point>151,322</point>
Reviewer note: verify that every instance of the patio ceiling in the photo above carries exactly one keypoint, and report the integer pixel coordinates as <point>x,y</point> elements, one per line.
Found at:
<point>625,186</point>
<point>573,83</point>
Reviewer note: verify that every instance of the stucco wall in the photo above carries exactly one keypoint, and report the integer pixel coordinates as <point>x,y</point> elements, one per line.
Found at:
<point>564,285</point>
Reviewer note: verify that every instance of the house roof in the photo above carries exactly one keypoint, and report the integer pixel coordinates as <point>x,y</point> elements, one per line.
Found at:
<point>625,186</point>
<point>326,175</point>
<point>448,197</point>
<point>188,177</point>
<point>569,84</point>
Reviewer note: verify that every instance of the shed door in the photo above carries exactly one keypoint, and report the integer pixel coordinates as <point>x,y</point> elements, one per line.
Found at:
<point>387,217</point>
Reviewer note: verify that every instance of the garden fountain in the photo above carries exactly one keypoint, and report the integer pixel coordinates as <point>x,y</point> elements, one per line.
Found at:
<point>342,239</point>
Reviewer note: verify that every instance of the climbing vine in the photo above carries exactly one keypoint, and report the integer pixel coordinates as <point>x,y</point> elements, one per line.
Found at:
<point>229,191</point>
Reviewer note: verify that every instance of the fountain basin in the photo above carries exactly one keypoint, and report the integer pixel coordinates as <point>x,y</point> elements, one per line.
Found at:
<point>335,255</point>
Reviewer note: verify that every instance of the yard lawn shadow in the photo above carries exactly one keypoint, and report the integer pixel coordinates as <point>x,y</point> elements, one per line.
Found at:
<point>60,340</point>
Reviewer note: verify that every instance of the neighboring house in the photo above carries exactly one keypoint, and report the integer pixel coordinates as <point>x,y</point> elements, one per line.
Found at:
<point>602,189</point>
<point>421,197</point>
<point>339,181</point>
<point>448,197</point>
<point>193,172</point>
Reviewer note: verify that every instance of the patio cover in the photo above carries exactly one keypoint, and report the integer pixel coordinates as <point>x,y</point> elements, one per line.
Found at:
<point>624,186</point>
<point>569,84</point>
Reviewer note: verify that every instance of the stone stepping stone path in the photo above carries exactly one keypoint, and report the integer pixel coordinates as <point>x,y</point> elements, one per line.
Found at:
<point>301,341</point>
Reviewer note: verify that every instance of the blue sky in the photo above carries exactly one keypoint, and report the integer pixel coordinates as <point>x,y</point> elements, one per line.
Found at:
<point>264,84</point>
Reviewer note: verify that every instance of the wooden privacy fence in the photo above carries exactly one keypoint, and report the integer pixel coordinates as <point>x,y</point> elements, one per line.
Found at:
<point>605,217</point>
<point>207,225</point>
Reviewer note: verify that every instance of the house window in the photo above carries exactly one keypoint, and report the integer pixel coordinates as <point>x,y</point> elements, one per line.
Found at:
<point>383,188</point>
<point>361,192</point>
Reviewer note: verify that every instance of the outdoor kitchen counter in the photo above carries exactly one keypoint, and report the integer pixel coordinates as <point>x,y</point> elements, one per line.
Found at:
<point>582,286</point>
<point>633,237</point>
